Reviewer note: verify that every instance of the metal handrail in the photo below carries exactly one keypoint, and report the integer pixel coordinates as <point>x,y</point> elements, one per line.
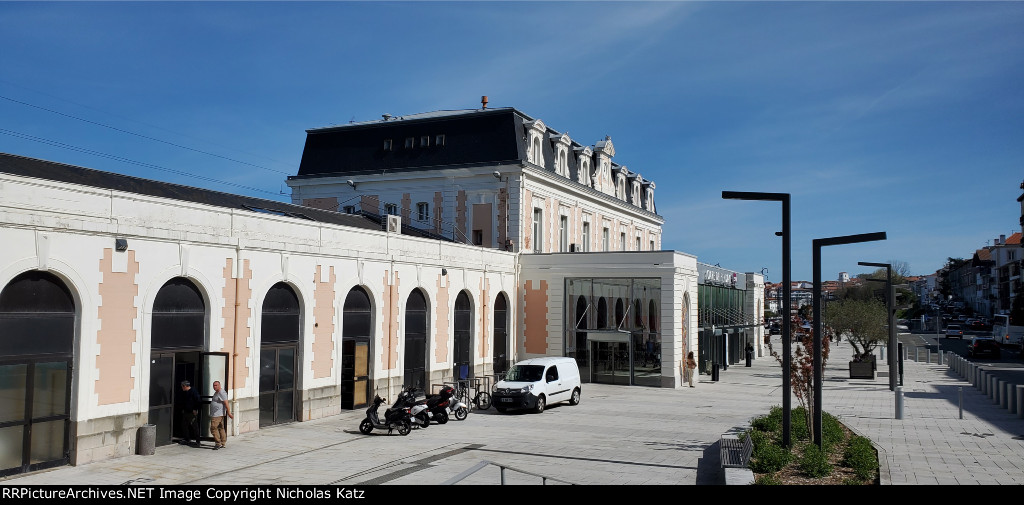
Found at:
<point>484,464</point>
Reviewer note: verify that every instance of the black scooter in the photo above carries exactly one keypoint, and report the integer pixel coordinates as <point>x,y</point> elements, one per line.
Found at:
<point>439,404</point>
<point>394,417</point>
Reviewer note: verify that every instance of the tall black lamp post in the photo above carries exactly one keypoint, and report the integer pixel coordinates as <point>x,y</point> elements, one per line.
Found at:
<point>787,395</point>
<point>890,302</point>
<point>817,244</point>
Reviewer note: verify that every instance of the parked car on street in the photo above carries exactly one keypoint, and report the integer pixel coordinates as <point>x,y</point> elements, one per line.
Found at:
<point>983,346</point>
<point>954,330</point>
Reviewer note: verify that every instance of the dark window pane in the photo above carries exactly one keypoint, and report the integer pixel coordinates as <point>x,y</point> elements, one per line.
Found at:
<point>286,368</point>
<point>281,299</point>
<point>36,292</point>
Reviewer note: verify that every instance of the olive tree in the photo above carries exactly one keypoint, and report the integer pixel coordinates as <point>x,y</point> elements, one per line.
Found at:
<point>862,321</point>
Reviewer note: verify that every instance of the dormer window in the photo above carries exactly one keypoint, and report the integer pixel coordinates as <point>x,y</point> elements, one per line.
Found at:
<point>535,131</point>
<point>563,164</point>
<point>439,140</point>
<point>584,175</point>
<point>391,209</point>
<point>410,142</point>
<point>388,145</point>
<point>425,141</point>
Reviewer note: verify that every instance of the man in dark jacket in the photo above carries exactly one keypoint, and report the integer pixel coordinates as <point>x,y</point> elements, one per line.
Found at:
<point>190,403</point>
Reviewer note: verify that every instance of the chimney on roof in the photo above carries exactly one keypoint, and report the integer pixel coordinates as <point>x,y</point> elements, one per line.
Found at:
<point>1002,239</point>
<point>483,102</point>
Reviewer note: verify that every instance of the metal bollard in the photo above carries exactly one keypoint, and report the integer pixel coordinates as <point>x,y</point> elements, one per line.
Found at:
<point>883,353</point>
<point>899,402</point>
<point>1011,398</point>
<point>1020,401</point>
<point>1001,393</point>
<point>992,392</point>
<point>960,390</point>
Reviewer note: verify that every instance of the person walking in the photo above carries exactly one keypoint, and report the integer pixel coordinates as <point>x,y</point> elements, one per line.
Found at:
<point>690,368</point>
<point>218,409</point>
<point>190,413</point>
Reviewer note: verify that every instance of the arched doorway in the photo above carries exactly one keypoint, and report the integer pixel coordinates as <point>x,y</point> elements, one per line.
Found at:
<point>501,351</point>
<point>281,325</point>
<point>462,364</point>
<point>416,340</point>
<point>355,349</point>
<point>37,334</point>
<point>178,336</point>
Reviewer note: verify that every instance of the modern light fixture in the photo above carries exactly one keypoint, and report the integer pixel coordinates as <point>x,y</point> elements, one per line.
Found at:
<point>121,244</point>
<point>351,183</point>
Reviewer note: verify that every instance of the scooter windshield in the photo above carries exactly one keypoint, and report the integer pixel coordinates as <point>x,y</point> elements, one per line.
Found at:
<point>525,373</point>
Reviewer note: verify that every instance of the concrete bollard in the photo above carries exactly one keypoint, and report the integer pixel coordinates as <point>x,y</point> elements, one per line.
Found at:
<point>1011,397</point>
<point>1001,393</point>
<point>146,442</point>
<point>993,391</point>
<point>928,356</point>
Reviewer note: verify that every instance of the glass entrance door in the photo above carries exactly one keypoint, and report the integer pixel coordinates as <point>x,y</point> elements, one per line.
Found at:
<point>167,369</point>
<point>610,362</point>
<point>215,368</point>
<point>277,385</point>
<point>34,415</point>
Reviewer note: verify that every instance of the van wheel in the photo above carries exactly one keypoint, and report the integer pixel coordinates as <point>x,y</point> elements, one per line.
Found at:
<point>575,399</point>
<point>540,405</point>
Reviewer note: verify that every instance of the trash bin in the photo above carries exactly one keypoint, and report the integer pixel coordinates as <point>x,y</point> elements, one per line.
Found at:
<point>714,372</point>
<point>145,444</point>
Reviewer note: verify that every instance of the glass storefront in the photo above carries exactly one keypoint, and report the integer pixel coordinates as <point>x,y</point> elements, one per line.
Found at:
<point>725,326</point>
<point>613,329</point>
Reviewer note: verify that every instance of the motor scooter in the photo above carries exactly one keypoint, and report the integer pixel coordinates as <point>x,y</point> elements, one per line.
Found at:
<point>394,417</point>
<point>419,412</point>
<point>456,406</point>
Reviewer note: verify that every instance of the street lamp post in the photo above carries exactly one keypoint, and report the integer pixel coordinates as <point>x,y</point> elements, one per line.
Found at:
<point>787,395</point>
<point>817,244</point>
<point>890,302</point>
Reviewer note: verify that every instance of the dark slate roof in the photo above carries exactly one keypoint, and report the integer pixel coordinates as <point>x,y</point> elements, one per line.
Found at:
<point>473,137</point>
<point>42,169</point>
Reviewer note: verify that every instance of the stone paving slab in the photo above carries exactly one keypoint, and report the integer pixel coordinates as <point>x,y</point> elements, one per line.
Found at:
<point>616,435</point>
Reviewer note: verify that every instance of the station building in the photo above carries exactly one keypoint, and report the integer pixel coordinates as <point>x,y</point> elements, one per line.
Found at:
<point>417,250</point>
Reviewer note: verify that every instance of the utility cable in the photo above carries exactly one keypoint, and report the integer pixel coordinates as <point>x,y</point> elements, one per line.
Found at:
<point>127,160</point>
<point>142,136</point>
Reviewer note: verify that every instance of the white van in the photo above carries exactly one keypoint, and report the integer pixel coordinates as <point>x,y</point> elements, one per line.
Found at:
<point>536,383</point>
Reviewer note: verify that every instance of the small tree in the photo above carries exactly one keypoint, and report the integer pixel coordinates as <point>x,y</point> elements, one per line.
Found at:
<point>801,367</point>
<point>864,322</point>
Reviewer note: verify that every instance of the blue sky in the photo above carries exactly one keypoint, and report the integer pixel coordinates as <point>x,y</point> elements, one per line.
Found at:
<point>903,117</point>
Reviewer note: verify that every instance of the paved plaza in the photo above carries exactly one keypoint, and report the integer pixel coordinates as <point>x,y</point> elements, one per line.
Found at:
<point>617,435</point>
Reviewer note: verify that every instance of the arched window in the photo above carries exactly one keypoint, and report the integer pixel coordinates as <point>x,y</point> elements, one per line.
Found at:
<point>280,330</point>
<point>619,313</point>
<point>461,360</point>
<point>356,335</point>
<point>501,351</point>
<point>652,317</point>
<point>416,340</point>
<point>179,316</point>
<point>37,333</point>
<point>638,315</point>
<point>602,313</point>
